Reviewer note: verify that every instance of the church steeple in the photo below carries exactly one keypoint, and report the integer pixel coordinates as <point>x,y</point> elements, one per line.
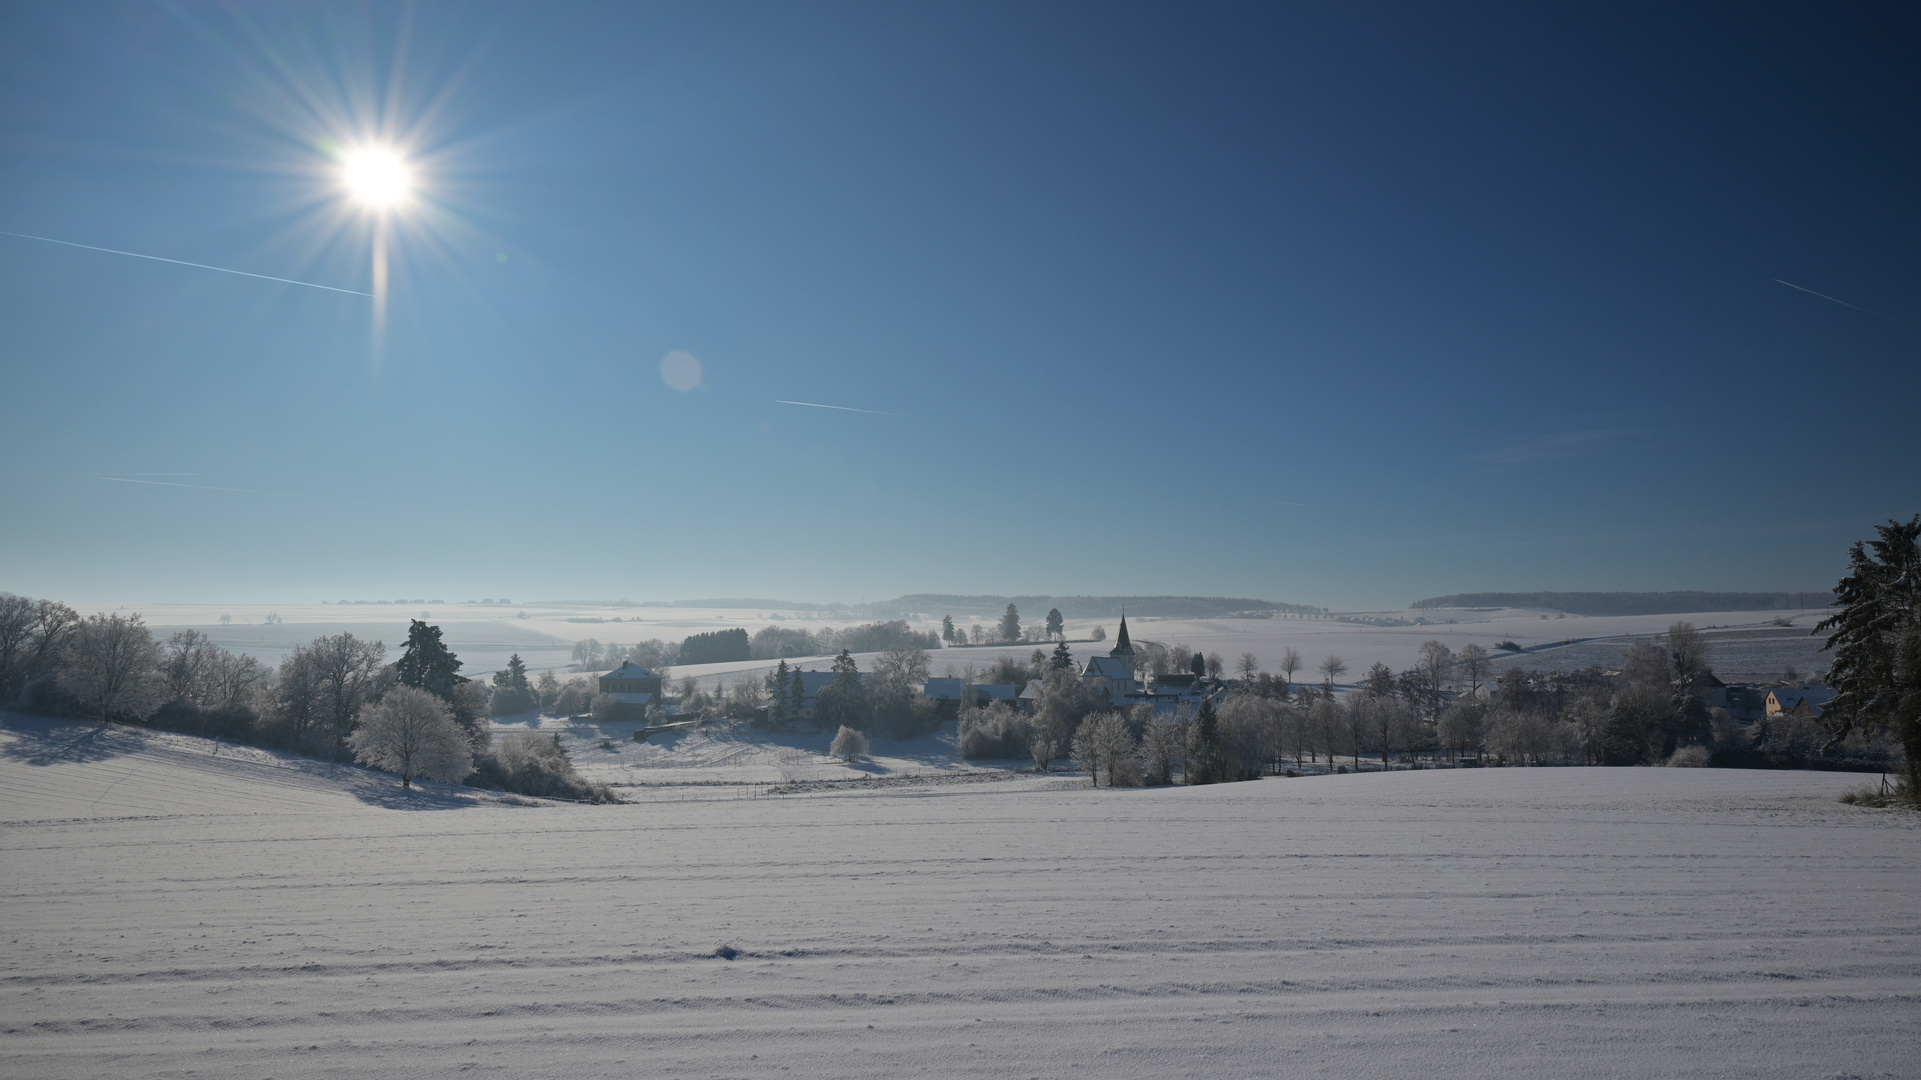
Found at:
<point>1122,645</point>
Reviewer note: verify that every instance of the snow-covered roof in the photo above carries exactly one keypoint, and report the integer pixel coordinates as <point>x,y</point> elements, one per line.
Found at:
<point>630,670</point>
<point>943,689</point>
<point>1033,691</point>
<point>997,691</point>
<point>1108,667</point>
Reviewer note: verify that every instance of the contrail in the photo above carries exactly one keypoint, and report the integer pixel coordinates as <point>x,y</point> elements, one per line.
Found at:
<point>210,487</point>
<point>843,408</point>
<point>1843,303</point>
<point>183,262</point>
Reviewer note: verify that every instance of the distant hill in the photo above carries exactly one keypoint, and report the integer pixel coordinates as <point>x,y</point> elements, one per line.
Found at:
<point>1633,603</point>
<point>1092,607</point>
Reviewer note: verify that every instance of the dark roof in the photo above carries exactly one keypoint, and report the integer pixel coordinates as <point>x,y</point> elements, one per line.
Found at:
<point>630,670</point>
<point>1121,642</point>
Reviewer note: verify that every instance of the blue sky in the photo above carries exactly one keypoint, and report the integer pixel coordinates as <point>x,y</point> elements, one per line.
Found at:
<point>1345,307</point>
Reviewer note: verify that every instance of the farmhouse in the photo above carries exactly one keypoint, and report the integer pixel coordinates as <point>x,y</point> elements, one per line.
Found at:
<point>632,687</point>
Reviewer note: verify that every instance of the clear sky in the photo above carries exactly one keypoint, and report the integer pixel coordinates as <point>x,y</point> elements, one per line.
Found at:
<point>1345,305</point>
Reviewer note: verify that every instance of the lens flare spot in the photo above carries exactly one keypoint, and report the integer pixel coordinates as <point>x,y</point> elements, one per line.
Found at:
<point>680,371</point>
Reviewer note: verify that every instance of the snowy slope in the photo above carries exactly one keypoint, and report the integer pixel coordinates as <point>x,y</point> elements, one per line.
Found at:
<point>169,913</point>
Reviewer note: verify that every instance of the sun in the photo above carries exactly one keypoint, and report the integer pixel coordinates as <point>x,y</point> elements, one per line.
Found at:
<point>376,177</point>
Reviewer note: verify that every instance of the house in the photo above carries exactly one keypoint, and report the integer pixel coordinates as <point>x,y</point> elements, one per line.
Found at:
<point>633,688</point>
<point>945,693</point>
<point>1783,701</point>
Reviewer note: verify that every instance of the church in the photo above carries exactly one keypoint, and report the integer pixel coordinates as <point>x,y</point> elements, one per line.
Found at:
<point>1112,675</point>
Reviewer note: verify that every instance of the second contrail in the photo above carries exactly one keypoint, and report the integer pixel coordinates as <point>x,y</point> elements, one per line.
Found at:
<point>843,408</point>
<point>183,262</point>
<point>1831,299</point>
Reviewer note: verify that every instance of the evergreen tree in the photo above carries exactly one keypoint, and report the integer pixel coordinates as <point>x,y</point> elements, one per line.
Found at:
<point>777,715</point>
<point>1198,665</point>
<point>947,633</point>
<point>842,703</point>
<point>1063,660</point>
<point>1204,746</point>
<point>427,664</point>
<point>1010,626</point>
<point>1876,639</point>
<point>1056,626</point>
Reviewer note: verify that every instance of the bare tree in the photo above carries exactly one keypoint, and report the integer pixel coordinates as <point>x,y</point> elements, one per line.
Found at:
<point>112,666</point>
<point>1248,666</point>
<point>1290,663</point>
<point>188,666</point>
<point>348,670</point>
<point>1435,665</point>
<point>412,733</point>
<point>1331,668</point>
<point>1474,665</point>
<point>232,679</point>
<point>1215,665</point>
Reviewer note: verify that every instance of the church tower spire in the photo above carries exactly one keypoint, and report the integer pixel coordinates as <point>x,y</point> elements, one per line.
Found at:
<point>1123,646</point>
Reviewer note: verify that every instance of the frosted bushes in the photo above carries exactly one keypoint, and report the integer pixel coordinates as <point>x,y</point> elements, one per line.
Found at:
<point>529,763</point>
<point>995,732</point>
<point>848,744</point>
<point>1690,757</point>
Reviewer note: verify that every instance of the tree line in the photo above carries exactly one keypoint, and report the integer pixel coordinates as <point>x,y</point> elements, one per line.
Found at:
<point>767,643</point>
<point>336,698</point>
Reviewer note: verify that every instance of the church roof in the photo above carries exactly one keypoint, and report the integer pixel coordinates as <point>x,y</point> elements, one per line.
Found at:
<point>1122,643</point>
<point>1108,667</point>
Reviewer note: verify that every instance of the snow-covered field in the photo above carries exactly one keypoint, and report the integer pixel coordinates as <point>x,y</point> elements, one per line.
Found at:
<point>170,911</point>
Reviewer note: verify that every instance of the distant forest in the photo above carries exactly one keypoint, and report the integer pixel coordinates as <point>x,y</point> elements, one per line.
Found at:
<point>1633,603</point>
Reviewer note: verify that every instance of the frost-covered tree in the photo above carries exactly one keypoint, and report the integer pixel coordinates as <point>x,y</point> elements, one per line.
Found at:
<point>113,666</point>
<point>848,744</point>
<point>412,733</point>
<point>1248,667</point>
<point>1876,640</point>
<point>33,635</point>
<point>1105,748</point>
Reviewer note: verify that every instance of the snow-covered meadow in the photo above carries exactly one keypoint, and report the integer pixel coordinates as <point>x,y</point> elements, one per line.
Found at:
<point>172,911</point>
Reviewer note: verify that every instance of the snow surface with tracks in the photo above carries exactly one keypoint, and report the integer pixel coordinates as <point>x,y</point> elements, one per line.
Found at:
<point>176,911</point>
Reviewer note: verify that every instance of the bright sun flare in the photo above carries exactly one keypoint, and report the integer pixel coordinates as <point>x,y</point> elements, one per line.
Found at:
<point>377,177</point>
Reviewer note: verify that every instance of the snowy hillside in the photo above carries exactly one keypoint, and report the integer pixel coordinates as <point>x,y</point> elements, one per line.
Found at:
<point>172,911</point>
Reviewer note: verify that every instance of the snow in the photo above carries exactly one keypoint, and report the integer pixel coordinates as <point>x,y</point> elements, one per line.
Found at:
<point>175,911</point>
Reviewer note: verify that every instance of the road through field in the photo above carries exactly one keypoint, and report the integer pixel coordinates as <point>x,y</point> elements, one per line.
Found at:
<point>174,915</point>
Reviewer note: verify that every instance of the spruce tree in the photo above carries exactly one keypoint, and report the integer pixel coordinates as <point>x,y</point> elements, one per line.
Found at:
<point>1063,659</point>
<point>427,664</point>
<point>1056,625</point>
<point>1010,626</point>
<point>947,629</point>
<point>1204,746</point>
